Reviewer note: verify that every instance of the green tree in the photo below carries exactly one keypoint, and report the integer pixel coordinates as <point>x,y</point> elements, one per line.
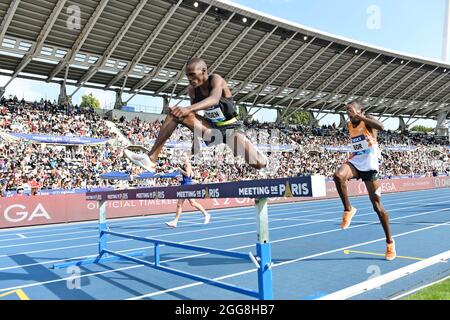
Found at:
<point>299,117</point>
<point>420,128</point>
<point>88,100</point>
<point>242,112</point>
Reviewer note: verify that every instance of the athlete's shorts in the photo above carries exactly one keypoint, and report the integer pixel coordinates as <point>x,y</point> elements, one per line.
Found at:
<point>365,176</point>
<point>226,131</point>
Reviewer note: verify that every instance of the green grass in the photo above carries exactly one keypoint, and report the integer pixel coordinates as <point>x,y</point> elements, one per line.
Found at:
<point>439,291</point>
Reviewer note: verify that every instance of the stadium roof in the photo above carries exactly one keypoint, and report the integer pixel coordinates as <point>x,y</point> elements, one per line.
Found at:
<point>142,46</point>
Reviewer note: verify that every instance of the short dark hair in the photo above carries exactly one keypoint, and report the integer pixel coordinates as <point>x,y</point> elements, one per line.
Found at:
<point>359,102</point>
<point>196,60</point>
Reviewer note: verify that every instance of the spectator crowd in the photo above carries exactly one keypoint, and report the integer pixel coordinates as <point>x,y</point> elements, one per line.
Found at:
<point>25,165</point>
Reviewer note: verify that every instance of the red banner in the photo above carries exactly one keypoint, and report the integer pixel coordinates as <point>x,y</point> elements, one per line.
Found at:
<point>36,210</point>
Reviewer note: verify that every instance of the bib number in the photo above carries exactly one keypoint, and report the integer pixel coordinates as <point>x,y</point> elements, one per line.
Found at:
<point>360,144</point>
<point>214,114</point>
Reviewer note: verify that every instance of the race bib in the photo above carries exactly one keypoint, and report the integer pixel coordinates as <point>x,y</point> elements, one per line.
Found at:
<point>214,114</point>
<point>360,145</point>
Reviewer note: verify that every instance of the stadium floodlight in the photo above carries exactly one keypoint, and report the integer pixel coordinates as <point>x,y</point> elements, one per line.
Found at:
<point>305,38</point>
<point>244,20</point>
<point>196,4</point>
<point>402,62</point>
<point>356,51</point>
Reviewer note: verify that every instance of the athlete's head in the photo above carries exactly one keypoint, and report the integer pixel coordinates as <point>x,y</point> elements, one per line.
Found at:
<point>196,72</point>
<point>185,157</point>
<point>354,108</point>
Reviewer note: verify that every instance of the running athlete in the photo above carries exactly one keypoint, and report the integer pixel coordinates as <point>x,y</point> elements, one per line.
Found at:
<point>186,171</point>
<point>208,93</point>
<point>364,164</point>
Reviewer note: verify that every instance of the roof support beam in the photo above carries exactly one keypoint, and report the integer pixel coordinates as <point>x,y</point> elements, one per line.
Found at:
<point>263,65</point>
<point>279,71</point>
<point>337,74</point>
<point>348,81</point>
<point>411,87</point>
<point>249,55</point>
<point>429,99</point>
<point>298,107</point>
<point>8,18</point>
<point>313,78</point>
<point>112,46</point>
<point>296,75</point>
<point>232,46</point>
<point>380,84</point>
<point>147,79</point>
<point>419,93</point>
<point>83,35</point>
<point>225,54</point>
<point>438,104</point>
<point>362,84</point>
<point>198,53</point>
<point>147,44</point>
<point>392,89</point>
<point>36,49</point>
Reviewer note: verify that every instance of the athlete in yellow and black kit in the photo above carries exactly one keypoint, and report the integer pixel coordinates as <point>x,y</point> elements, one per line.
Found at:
<point>208,93</point>
<point>363,164</point>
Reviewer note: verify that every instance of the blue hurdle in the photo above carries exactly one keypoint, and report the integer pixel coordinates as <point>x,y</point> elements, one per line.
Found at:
<point>260,190</point>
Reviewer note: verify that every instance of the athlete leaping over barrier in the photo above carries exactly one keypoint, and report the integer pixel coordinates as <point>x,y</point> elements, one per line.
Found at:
<point>260,190</point>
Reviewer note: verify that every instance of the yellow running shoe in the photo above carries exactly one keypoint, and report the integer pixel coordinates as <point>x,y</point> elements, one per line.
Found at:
<point>347,218</point>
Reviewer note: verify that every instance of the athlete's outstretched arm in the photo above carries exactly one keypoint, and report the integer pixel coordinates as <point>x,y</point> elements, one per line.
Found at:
<point>371,121</point>
<point>212,100</point>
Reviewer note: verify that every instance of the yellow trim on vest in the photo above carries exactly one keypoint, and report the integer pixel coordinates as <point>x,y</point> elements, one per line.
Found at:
<point>227,122</point>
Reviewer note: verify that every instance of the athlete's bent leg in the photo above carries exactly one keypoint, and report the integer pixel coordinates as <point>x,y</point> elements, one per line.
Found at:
<point>241,146</point>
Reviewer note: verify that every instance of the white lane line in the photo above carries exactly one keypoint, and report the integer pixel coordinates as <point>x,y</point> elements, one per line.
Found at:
<point>287,211</point>
<point>275,265</point>
<point>217,237</point>
<point>408,293</point>
<point>376,282</point>
<point>222,277</point>
<point>309,203</point>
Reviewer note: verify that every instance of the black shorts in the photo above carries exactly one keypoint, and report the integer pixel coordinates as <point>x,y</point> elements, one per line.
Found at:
<point>365,176</point>
<point>225,132</point>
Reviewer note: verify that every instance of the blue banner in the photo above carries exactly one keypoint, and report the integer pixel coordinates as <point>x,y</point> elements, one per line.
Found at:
<point>400,148</point>
<point>115,175</point>
<point>274,148</point>
<point>307,186</point>
<point>339,149</point>
<point>388,148</point>
<point>262,147</point>
<point>57,139</point>
<point>46,192</point>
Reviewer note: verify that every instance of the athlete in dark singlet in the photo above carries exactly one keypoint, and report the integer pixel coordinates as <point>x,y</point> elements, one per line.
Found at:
<point>186,171</point>
<point>208,93</point>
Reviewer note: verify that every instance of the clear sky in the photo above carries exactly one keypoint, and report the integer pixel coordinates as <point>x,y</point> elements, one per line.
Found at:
<point>409,26</point>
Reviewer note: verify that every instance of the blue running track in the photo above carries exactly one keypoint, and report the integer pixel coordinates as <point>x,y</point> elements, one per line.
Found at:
<point>307,248</point>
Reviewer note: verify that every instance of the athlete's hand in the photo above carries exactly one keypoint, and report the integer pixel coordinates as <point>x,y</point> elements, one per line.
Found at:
<point>354,112</point>
<point>179,112</point>
<point>351,111</point>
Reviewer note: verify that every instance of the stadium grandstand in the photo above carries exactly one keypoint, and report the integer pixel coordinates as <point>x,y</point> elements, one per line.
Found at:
<point>140,47</point>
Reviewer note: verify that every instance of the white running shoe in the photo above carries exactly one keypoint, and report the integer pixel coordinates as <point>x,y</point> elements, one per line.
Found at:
<point>140,159</point>
<point>172,224</point>
<point>207,218</point>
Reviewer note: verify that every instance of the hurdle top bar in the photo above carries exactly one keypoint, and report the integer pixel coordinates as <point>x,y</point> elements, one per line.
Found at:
<point>303,186</point>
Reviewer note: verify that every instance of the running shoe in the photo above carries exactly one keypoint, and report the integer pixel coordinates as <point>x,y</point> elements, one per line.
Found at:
<point>347,218</point>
